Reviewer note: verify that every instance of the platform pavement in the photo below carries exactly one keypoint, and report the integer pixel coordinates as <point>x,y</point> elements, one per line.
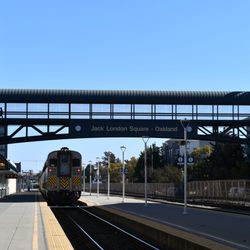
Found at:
<point>26,222</point>
<point>216,230</point>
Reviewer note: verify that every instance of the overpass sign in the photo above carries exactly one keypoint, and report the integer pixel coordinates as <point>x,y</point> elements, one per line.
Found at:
<point>128,128</point>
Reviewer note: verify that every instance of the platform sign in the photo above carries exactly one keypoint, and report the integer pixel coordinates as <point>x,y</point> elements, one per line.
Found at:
<point>180,159</point>
<point>190,160</point>
<point>125,171</point>
<point>129,128</point>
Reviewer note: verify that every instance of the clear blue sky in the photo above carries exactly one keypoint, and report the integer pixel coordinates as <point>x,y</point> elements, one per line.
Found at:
<point>139,44</point>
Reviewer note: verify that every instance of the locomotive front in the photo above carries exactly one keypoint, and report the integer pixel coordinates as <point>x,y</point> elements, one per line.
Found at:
<point>61,181</point>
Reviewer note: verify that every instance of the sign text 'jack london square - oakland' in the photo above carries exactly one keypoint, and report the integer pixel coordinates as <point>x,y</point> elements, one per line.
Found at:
<point>137,128</point>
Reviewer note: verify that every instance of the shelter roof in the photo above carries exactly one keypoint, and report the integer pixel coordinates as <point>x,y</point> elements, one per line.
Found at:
<point>6,166</point>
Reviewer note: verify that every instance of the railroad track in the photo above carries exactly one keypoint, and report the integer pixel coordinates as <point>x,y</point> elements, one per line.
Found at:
<point>86,230</point>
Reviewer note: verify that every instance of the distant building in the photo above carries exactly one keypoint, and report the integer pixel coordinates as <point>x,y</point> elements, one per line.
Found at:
<point>173,148</point>
<point>170,151</point>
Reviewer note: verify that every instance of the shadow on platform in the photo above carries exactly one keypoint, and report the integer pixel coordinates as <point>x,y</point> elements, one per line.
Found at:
<point>20,197</point>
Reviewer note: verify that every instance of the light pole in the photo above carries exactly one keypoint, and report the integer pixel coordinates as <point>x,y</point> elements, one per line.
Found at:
<point>108,175</point>
<point>123,148</point>
<point>145,140</point>
<point>98,171</point>
<point>83,168</point>
<point>90,177</point>
<point>186,129</point>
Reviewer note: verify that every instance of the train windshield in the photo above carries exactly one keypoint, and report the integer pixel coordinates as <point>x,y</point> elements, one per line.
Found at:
<point>64,160</point>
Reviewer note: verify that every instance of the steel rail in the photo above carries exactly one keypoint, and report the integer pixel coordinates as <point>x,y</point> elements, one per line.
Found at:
<point>83,231</point>
<point>120,229</point>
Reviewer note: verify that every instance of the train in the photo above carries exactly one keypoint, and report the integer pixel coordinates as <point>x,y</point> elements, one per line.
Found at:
<point>60,181</point>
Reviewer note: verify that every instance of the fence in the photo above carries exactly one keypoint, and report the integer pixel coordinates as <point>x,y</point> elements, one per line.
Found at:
<point>232,190</point>
<point>154,190</point>
<point>220,190</point>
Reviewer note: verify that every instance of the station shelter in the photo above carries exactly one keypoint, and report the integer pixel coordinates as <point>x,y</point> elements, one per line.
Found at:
<point>8,177</point>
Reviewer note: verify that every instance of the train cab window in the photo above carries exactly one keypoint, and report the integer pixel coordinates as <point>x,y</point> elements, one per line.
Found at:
<point>64,165</point>
<point>53,162</point>
<point>76,163</point>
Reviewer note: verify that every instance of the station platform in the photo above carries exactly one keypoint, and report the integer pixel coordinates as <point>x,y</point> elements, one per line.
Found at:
<point>209,229</point>
<point>26,222</point>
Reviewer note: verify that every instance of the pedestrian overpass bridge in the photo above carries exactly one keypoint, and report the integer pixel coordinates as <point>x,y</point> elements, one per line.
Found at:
<point>46,114</point>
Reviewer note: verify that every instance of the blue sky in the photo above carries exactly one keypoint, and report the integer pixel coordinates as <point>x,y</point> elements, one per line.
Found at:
<point>139,44</point>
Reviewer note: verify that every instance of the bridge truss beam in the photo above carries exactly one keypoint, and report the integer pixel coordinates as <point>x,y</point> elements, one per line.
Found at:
<point>33,115</point>
<point>26,130</point>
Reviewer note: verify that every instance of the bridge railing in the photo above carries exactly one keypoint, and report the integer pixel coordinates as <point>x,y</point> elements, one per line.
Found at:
<point>123,111</point>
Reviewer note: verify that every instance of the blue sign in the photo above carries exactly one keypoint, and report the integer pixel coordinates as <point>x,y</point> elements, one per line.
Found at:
<point>129,128</point>
<point>125,170</point>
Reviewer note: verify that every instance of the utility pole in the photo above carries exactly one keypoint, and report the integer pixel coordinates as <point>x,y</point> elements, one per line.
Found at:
<point>145,140</point>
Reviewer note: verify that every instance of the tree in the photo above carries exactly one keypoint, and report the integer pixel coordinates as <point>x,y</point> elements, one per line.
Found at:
<point>154,161</point>
<point>115,175</point>
<point>200,169</point>
<point>154,156</point>
<point>107,154</point>
<point>138,171</point>
<point>226,161</point>
<point>167,174</point>
<point>131,165</point>
<point>221,161</point>
<point>87,172</point>
<point>114,167</point>
<point>201,153</point>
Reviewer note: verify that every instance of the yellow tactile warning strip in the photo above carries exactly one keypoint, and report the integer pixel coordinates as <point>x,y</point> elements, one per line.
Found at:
<point>35,232</point>
<point>56,238</point>
<point>89,203</point>
<point>164,228</point>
